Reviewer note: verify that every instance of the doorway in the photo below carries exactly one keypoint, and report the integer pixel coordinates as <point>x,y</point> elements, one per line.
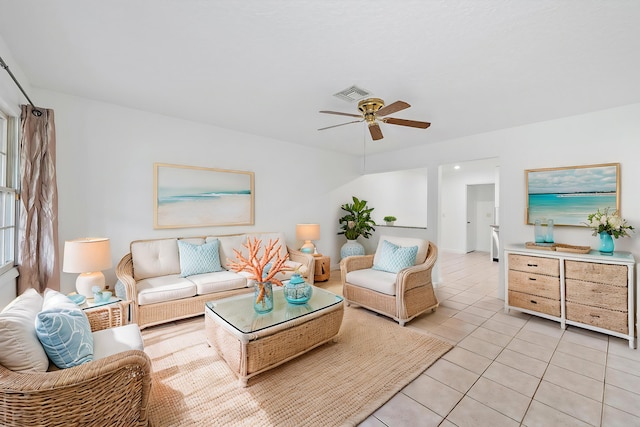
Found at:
<point>480,210</point>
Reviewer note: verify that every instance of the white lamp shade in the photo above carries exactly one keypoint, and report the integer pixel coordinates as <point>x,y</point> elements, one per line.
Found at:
<point>308,231</point>
<point>86,255</point>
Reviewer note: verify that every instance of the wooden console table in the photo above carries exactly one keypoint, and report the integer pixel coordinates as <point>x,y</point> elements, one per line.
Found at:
<point>591,291</point>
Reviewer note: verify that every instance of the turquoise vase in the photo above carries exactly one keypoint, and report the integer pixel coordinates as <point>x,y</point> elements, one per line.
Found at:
<point>297,291</point>
<point>352,247</point>
<point>606,243</point>
<point>262,297</point>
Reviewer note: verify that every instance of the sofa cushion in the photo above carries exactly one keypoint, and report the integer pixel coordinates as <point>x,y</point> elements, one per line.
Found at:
<point>20,349</point>
<point>422,244</point>
<point>393,258</point>
<point>154,258</point>
<point>376,280</point>
<point>116,340</point>
<point>219,281</point>
<point>165,288</point>
<point>199,258</point>
<point>227,245</point>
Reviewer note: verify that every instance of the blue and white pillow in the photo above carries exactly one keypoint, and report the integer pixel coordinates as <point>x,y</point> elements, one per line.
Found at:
<point>393,258</point>
<point>199,259</point>
<point>65,336</point>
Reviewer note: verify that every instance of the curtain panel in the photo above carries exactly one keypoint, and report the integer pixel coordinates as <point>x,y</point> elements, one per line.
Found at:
<point>38,213</point>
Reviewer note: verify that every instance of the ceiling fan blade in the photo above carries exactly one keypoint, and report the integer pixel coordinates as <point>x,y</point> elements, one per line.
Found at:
<point>392,108</point>
<point>376,132</point>
<point>341,114</point>
<point>403,122</point>
<point>342,124</point>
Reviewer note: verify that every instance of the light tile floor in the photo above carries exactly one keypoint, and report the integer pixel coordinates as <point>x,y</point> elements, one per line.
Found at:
<point>512,369</point>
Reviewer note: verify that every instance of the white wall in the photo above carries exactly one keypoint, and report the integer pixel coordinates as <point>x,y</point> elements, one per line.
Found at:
<point>608,136</point>
<point>105,157</point>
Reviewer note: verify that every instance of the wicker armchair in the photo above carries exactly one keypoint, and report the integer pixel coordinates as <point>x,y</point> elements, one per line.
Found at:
<point>113,391</point>
<point>414,292</point>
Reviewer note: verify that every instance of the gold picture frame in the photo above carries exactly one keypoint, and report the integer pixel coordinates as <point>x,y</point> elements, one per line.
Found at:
<point>192,196</point>
<point>569,194</point>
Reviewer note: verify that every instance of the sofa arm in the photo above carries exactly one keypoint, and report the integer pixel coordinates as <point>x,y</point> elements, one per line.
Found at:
<point>124,272</point>
<point>305,259</point>
<point>40,398</point>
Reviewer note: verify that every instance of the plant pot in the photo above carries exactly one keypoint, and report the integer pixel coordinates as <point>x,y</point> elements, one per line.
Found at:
<point>352,247</point>
<point>390,223</point>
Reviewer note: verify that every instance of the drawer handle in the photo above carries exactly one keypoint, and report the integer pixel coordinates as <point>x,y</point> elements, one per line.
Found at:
<point>595,315</point>
<point>532,265</point>
<point>533,279</point>
<point>534,302</point>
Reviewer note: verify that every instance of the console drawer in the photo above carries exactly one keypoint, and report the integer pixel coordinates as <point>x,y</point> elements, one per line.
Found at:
<point>611,274</point>
<point>534,303</point>
<point>534,264</point>
<point>597,295</point>
<point>595,316</point>
<point>535,284</point>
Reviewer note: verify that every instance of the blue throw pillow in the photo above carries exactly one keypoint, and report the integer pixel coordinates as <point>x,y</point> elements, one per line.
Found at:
<point>65,336</point>
<point>394,258</point>
<point>199,259</point>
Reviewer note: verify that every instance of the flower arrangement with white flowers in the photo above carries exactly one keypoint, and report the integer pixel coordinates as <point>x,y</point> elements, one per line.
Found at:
<point>610,223</point>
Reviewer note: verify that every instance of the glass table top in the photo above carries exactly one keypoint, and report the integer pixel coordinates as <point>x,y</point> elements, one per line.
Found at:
<point>238,310</point>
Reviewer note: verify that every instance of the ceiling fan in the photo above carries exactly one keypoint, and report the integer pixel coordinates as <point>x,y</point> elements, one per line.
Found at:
<point>373,110</point>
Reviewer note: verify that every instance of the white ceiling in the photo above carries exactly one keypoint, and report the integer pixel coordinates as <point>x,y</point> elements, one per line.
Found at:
<point>266,67</point>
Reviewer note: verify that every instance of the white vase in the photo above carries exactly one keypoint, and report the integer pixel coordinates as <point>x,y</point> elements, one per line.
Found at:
<point>352,247</point>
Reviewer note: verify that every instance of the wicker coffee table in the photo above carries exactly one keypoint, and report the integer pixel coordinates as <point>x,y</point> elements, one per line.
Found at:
<point>252,343</point>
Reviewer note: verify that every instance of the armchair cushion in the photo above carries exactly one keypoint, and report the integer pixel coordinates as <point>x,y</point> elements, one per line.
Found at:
<point>375,280</point>
<point>20,349</point>
<point>422,244</point>
<point>65,336</point>
<point>199,259</point>
<point>116,340</point>
<point>393,258</point>
<point>154,258</point>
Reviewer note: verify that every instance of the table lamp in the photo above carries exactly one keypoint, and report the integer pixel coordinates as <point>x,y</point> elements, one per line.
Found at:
<point>87,256</point>
<point>308,232</point>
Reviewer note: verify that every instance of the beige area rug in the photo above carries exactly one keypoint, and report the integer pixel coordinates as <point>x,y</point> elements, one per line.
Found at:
<point>339,383</point>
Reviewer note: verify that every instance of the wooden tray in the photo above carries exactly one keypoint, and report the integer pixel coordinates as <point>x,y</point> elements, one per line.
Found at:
<point>563,247</point>
<point>560,247</point>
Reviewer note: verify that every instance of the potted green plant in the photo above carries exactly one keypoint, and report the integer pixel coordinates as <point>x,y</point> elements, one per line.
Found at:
<point>357,222</point>
<point>389,219</point>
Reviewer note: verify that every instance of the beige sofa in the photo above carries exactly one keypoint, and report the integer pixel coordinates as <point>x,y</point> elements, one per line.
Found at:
<point>150,275</point>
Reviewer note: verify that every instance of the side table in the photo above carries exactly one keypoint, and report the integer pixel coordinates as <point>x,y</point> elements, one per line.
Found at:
<point>108,315</point>
<point>323,268</point>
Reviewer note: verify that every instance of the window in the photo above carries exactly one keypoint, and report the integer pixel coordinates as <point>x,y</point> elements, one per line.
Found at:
<point>8,186</point>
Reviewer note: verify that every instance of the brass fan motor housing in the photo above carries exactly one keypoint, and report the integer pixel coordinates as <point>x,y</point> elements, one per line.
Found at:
<point>369,107</point>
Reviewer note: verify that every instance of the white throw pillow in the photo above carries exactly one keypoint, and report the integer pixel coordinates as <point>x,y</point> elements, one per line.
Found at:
<point>154,258</point>
<point>20,349</point>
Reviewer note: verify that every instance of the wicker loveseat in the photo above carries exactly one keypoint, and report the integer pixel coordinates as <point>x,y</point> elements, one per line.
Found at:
<point>151,276</point>
<point>402,295</point>
<point>110,391</point>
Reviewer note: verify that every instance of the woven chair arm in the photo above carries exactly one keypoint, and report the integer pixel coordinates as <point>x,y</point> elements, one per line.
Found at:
<point>87,375</point>
<point>356,262</point>
<point>417,275</point>
<point>124,272</point>
<point>305,259</point>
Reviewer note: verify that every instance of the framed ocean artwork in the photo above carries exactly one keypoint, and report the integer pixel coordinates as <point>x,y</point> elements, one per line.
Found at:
<point>567,195</point>
<point>191,196</point>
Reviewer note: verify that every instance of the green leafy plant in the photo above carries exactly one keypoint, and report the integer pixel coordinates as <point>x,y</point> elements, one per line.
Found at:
<point>357,221</point>
<point>610,223</point>
<point>389,218</point>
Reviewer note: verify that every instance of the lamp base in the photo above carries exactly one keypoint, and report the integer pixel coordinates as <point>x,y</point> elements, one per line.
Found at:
<point>86,281</point>
<point>308,247</point>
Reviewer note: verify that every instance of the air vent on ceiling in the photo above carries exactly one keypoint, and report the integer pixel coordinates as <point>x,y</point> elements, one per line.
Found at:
<point>354,93</point>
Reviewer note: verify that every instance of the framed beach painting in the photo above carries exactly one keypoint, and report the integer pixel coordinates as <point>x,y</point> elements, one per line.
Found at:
<point>567,195</point>
<point>190,196</point>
